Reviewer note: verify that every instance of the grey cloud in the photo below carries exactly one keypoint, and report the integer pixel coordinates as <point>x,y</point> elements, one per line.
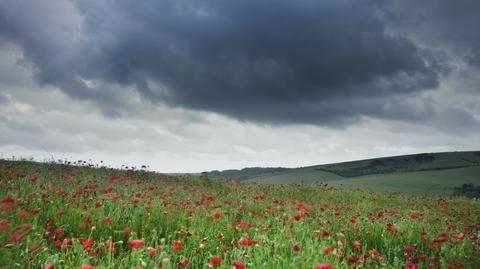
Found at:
<point>22,126</point>
<point>456,119</point>
<point>4,99</point>
<point>320,62</point>
<point>448,26</point>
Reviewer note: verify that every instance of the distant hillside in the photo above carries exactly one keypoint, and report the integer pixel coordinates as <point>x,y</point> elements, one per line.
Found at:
<point>244,173</point>
<point>426,173</point>
<point>405,163</point>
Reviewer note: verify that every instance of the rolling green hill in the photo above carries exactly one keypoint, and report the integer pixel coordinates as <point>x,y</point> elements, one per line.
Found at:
<point>427,173</point>
<point>244,173</point>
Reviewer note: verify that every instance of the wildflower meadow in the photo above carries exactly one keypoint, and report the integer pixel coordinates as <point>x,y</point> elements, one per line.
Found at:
<point>62,216</point>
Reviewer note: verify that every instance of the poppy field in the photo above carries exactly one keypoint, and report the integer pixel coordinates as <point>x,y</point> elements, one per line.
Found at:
<point>62,216</point>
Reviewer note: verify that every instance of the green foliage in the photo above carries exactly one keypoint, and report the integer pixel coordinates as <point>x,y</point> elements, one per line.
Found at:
<point>244,173</point>
<point>467,190</point>
<point>288,225</point>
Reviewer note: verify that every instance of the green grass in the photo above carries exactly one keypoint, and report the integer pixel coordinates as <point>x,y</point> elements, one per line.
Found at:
<point>299,175</point>
<point>289,225</point>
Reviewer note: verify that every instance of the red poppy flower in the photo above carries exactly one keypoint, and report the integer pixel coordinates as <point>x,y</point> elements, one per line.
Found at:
<point>151,251</point>
<point>87,266</point>
<point>458,235</point>
<point>184,262</point>
<point>415,214</point>
<point>354,259</point>
<point>215,260</point>
<point>327,250</point>
<point>136,243</point>
<point>22,213</point>
<point>325,233</point>
<point>411,265</point>
<point>127,230</point>
<point>106,219</point>
<point>238,264</point>
<point>440,239</point>
<point>177,244</point>
<point>356,244</point>
<point>216,215</point>
<point>34,248</point>
<point>245,241</point>
<point>323,266</point>
<point>87,219</point>
<point>4,224</point>
<point>19,233</point>
<point>86,243</point>
<point>66,242</point>
<point>48,266</point>
<point>6,200</point>
<point>107,190</point>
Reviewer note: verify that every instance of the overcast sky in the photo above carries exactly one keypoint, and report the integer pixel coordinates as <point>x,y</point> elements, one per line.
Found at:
<point>195,85</point>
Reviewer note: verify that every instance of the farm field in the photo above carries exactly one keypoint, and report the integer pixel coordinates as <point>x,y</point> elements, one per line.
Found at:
<point>427,173</point>
<point>440,182</point>
<point>59,216</point>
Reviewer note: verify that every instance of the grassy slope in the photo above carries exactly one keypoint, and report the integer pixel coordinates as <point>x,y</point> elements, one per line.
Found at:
<point>405,163</point>
<point>437,176</point>
<point>423,182</point>
<point>304,175</point>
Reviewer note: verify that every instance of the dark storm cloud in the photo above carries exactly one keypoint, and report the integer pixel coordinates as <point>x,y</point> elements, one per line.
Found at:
<point>441,24</point>
<point>321,62</point>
